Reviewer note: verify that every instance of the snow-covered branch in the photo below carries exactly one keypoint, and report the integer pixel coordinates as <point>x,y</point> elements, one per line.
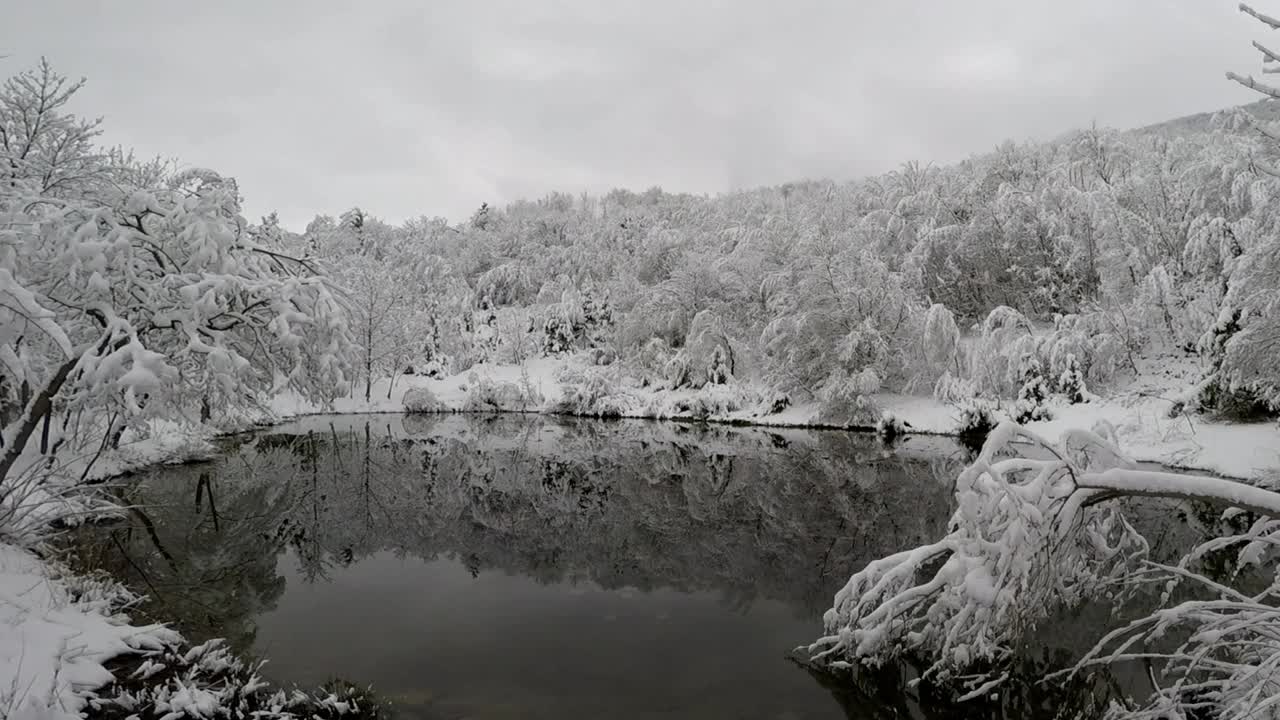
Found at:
<point>1032,533</point>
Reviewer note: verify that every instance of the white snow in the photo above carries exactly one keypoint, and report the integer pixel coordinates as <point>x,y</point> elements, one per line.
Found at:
<point>55,634</point>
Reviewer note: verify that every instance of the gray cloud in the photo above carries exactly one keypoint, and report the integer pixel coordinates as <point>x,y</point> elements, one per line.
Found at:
<point>409,108</point>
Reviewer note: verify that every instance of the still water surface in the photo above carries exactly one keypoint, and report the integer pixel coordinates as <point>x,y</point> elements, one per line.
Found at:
<point>531,567</point>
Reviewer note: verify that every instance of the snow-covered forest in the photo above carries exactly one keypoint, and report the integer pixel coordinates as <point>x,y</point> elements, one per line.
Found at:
<point>1061,268</point>
<point>141,313</point>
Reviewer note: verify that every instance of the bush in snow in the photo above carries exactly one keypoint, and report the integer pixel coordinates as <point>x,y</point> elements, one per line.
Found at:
<point>775,403</point>
<point>976,420</point>
<point>718,372</point>
<point>1244,378</point>
<point>1006,336</point>
<point>707,357</point>
<point>594,393</point>
<point>846,400</point>
<point>954,390</point>
<point>208,681</point>
<point>422,400</point>
<point>711,401</point>
<point>602,356</point>
<point>651,361</point>
<point>504,285</point>
<point>487,395</point>
<point>941,338</point>
<point>576,322</point>
<point>1033,394</point>
<point>1071,383</point>
<point>434,366</point>
<point>889,426</point>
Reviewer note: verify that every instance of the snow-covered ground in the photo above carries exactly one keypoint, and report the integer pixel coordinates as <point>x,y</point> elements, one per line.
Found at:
<point>56,630</point>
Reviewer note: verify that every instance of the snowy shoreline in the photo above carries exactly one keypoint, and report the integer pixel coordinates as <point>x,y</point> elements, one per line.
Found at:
<point>1246,451</point>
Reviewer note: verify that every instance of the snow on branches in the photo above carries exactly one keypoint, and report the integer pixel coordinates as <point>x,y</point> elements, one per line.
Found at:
<point>134,299</point>
<point>1228,661</point>
<point>1032,533</point>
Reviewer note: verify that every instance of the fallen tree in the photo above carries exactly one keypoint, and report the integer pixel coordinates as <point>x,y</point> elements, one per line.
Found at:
<point>1038,528</point>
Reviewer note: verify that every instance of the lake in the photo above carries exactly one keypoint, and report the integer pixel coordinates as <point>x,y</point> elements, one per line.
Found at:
<point>534,567</point>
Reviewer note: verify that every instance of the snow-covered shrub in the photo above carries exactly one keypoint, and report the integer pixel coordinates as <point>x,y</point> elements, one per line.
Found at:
<point>576,322</point>
<point>594,393</point>
<point>711,401</point>
<point>941,337</point>
<point>1244,342</point>
<point>1071,384</point>
<point>846,400</point>
<point>774,403</point>
<point>976,419</point>
<point>163,442</point>
<point>602,356</point>
<point>557,335</point>
<point>890,426</point>
<point>1101,341</point>
<point>1243,382</point>
<point>1034,393</point>
<point>680,371</point>
<point>1095,342</point>
<point>707,356</point>
<point>431,361</point>
<point>650,362</point>
<point>1161,309</point>
<point>718,372</point>
<point>488,395</point>
<point>433,366</point>
<point>210,682</point>
<point>1006,336</point>
<point>422,400</point>
<point>954,390</point>
<point>504,285</point>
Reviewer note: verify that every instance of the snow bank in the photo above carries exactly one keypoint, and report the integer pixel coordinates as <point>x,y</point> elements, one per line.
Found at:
<point>56,631</point>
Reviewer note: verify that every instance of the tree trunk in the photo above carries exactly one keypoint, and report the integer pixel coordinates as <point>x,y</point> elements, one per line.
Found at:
<point>368,362</point>
<point>1150,483</point>
<point>36,411</point>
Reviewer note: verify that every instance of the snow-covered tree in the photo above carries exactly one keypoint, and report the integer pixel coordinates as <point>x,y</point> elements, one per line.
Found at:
<point>386,320</point>
<point>1037,529</point>
<point>941,336</point>
<point>141,300</point>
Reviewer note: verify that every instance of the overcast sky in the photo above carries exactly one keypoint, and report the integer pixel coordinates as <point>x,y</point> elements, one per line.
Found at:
<point>410,108</point>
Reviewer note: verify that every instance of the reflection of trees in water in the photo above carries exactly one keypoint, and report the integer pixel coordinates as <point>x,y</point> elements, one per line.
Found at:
<point>646,505</point>
<point>744,518</point>
<point>202,550</point>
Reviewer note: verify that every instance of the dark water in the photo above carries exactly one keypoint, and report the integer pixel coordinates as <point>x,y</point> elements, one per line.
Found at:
<point>528,567</point>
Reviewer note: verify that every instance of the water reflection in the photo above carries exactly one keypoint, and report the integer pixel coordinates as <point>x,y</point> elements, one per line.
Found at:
<point>531,567</point>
